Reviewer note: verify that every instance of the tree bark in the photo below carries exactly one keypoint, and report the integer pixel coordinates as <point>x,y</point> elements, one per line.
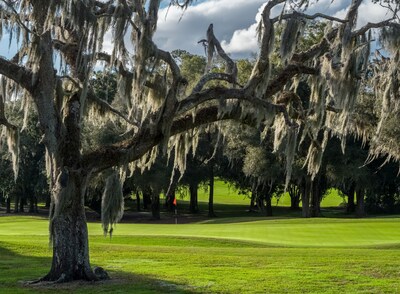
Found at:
<point>294,193</point>
<point>8,204</point>
<point>305,198</point>
<point>137,200</point>
<point>146,197</point>
<point>16,203</point>
<point>315,198</point>
<point>48,201</point>
<point>193,206</point>
<point>253,197</point>
<point>32,203</point>
<point>351,207</point>
<point>155,205</point>
<point>268,200</point>
<point>68,231</point>
<point>22,204</point>
<point>360,209</point>
<point>211,192</point>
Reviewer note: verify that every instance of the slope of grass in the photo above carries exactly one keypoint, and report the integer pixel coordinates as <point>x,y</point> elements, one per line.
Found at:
<point>218,256</point>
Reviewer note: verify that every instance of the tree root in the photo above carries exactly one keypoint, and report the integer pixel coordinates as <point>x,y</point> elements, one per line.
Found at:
<point>97,274</point>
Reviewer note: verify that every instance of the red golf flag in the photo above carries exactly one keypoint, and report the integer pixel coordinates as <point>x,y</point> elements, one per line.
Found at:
<point>174,202</point>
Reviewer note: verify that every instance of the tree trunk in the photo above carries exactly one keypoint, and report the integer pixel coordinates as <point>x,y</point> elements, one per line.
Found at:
<point>8,204</point>
<point>269,205</point>
<point>32,204</point>
<point>315,199</point>
<point>294,193</point>
<point>351,207</point>
<point>146,197</point>
<point>16,203</point>
<point>137,201</point>
<point>305,198</point>
<point>252,206</point>
<point>169,199</point>
<point>68,231</point>
<point>360,209</point>
<point>48,201</point>
<point>21,204</point>
<point>211,192</point>
<point>193,206</point>
<point>155,206</point>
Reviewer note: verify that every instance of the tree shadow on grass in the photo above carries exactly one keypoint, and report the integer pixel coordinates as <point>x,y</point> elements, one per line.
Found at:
<point>17,270</point>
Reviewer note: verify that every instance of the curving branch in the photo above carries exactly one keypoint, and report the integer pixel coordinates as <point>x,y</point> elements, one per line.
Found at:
<point>104,105</point>
<point>212,77</point>
<point>377,25</point>
<point>3,119</point>
<point>17,73</point>
<point>150,136</point>
<point>307,16</point>
<point>286,75</point>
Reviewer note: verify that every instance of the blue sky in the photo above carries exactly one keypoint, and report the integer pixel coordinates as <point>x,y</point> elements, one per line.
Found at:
<point>235,23</point>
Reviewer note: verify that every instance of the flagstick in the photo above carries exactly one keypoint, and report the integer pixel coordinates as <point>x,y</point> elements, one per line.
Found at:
<point>176,216</point>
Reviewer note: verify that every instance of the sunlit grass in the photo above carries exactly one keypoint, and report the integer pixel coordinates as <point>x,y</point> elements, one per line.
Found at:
<point>241,255</point>
<point>228,202</point>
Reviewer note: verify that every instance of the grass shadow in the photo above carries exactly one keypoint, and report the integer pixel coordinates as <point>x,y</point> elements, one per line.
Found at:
<point>17,269</point>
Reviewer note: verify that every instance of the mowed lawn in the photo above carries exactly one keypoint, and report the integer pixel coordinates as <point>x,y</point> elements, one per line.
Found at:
<point>224,255</point>
<point>230,203</point>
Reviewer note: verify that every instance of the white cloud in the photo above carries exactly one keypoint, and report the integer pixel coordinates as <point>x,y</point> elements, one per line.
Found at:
<point>235,23</point>
<point>228,16</point>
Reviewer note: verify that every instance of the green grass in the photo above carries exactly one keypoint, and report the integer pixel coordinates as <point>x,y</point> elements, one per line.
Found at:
<point>228,203</point>
<point>224,255</point>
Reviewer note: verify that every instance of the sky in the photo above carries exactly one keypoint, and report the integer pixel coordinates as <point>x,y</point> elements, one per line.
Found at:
<point>235,23</point>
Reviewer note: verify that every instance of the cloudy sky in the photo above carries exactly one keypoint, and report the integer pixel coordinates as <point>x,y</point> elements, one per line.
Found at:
<point>235,23</point>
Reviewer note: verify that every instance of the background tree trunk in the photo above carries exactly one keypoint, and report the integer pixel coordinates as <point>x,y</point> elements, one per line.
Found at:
<point>294,193</point>
<point>360,209</point>
<point>305,198</point>
<point>137,200</point>
<point>146,197</point>
<point>351,207</point>
<point>315,198</point>
<point>193,206</point>
<point>22,204</point>
<point>252,206</point>
<point>155,205</point>
<point>211,192</point>
<point>269,205</point>
<point>16,203</point>
<point>8,204</point>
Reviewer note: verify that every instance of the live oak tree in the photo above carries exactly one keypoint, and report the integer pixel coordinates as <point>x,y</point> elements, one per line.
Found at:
<point>60,45</point>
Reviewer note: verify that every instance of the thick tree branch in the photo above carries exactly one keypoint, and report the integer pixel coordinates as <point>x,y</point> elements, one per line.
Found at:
<point>211,77</point>
<point>150,136</point>
<point>377,25</point>
<point>286,75</point>
<point>17,73</point>
<point>306,16</point>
